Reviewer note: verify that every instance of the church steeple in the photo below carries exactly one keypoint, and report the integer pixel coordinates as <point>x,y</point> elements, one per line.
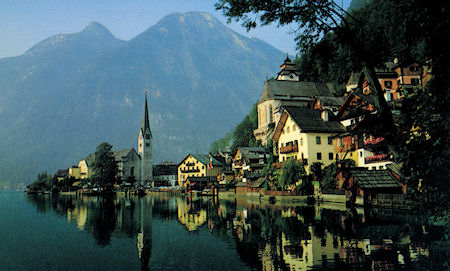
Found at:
<point>145,146</point>
<point>145,120</point>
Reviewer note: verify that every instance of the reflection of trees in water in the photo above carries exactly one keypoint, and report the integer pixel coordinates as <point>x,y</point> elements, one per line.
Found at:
<point>105,217</point>
<point>264,236</point>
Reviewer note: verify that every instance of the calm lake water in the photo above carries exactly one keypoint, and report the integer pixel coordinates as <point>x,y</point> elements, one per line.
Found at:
<point>41,232</point>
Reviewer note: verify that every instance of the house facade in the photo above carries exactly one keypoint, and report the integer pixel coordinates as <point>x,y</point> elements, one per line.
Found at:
<point>307,135</point>
<point>249,159</point>
<point>198,165</point>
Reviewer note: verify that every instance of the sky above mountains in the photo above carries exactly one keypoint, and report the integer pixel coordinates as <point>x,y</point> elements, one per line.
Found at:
<point>26,22</point>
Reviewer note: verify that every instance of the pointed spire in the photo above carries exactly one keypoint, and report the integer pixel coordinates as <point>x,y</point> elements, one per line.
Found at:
<point>145,120</point>
<point>287,58</point>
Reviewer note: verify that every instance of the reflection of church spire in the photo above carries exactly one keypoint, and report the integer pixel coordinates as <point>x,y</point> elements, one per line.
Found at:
<point>144,241</point>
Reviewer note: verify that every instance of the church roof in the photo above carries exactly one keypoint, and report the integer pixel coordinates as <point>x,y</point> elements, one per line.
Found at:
<point>118,155</point>
<point>145,120</point>
<point>294,90</point>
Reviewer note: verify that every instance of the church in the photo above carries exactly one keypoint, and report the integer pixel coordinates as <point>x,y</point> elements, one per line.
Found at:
<point>133,165</point>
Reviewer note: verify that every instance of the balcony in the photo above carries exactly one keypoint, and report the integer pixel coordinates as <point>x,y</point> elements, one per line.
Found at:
<point>373,141</point>
<point>192,170</point>
<point>377,158</point>
<point>289,149</point>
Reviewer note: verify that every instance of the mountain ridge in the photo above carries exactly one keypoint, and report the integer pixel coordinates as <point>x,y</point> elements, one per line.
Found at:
<point>61,104</point>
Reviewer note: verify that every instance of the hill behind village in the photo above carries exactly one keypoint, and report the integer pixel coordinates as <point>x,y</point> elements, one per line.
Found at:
<point>71,92</point>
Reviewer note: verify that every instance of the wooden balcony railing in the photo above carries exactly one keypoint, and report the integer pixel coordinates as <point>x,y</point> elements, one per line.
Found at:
<point>289,149</point>
<point>377,158</point>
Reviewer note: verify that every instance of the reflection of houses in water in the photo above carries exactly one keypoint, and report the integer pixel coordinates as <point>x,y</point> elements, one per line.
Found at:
<point>192,218</point>
<point>240,224</point>
<point>78,214</point>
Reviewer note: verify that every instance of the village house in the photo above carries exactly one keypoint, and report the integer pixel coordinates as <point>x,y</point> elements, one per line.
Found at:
<point>307,135</point>
<point>165,174</point>
<point>198,165</point>
<point>357,115</point>
<point>286,90</point>
<point>362,186</point>
<point>395,80</point>
<point>249,159</point>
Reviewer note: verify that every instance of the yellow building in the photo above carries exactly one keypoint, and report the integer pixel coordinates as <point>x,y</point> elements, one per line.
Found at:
<point>86,170</point>
<point>198,165</point>
<point>306,135</point>
<point>75,172</point>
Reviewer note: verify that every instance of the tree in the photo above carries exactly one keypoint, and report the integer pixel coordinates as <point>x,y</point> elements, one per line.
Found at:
<point>243,133</point>
<point>105,166</point>
<point>291,172</point>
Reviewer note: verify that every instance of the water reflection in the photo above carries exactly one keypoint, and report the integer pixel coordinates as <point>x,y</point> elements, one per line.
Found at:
<point>265,236</point>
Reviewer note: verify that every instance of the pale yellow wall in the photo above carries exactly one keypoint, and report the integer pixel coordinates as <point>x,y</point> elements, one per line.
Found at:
<point>75,172</point>
<point>324,148</point>
<point>203,170</point>
<point>85,171</point>
<point>306,145</point>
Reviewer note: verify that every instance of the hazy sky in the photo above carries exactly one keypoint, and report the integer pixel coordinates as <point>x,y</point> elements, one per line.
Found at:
<point>23,23</point>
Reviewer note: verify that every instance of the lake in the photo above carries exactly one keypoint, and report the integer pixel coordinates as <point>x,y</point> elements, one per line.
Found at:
<point>162,232</point>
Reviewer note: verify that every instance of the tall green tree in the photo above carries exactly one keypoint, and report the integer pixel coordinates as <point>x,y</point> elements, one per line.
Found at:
<point>291,172</point>
<point>105,166</point>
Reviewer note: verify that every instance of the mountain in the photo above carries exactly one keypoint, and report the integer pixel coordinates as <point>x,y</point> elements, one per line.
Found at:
<point>69,93</point>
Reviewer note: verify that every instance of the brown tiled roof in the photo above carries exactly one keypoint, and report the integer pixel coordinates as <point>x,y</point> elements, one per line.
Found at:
<point>370,179</point>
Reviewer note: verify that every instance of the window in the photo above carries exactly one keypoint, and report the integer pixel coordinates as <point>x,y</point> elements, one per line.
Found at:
<point>319,156</point>
<point>360,153</point>
<point>330,140</point>
<point>132,171</point>
<point>283,158</point>
<point>318,140</point>
<point>295,142</point>
<point>388,84</point>
<point>301,141</point>
<point>374,168</point>
<point>340,142</point>
<point>287,129</point>
<point>147,144</point>
<point>414,81</point>
<point>381,167</point>
<point>203,167</point>
<point>330,156</point>
<point>293,127</point>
